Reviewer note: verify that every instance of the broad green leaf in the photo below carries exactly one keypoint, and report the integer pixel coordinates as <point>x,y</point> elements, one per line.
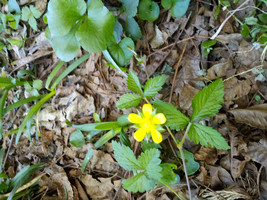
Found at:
<point>128,100</point>
<point>120,52</point>
<point>134,84</point>
<point>208,43</point>
<point>89,127</point>
<point>175,119</point>
<point>148,10</point>
<point>150,161</point>
<point>67,46</point>
<point>130,7</point>
<point>125,157</point>
<point>191,165</point>
<point>207,136</point>
<point>167,174</point>
<point>245,31</point>
<point>106,137</point>
<point>166,4</point>
<point>118,30</point>
<point>63,14</point>
<point>124,139</point>
<point>263,18</point>
<point>251,20</point>
<point>107,126</point>
<point>77,139</point>
<point>87,158</point>
<point>138,183</point>
<point>123,120</point>
<point>208,101</point>
<point>97,29</point>
<point>13,6</point>
<point>179,7</point>
<point>154,85</point>
<point>132,29</point>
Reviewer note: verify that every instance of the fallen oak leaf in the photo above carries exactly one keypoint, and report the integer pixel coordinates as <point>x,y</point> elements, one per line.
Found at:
<point>255,116</point>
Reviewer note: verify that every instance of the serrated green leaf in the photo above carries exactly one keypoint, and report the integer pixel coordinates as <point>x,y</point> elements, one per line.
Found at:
<point>208,101</point>
<point>138,183</point>
<point>154,85</point>
<point>124,139</point>
<point>128,100</point>
<point>120,52</point>
<point>63,14</point>
<point>67,46</point>
<point>77,139</point>
<point>132,29</point>
<point>134,84</point>
<point>167,174</point>
<point>130,7</point>
<point>150,161</point>
<point>207,136</point>
<point>125,157</point>
<point>148,10</point>
<point>191,165</point>
<point>106,137</point>
<point>174,118</point>
<point>97,30</point>
<point>87,158</point>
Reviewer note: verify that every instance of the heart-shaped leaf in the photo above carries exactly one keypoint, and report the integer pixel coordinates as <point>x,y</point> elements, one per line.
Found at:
<point>120,52</point>
<point>148,10</point>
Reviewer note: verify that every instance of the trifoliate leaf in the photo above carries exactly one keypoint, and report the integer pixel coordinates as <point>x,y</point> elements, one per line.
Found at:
<point>175,119</point>
<point>132,29</point>
<point>154,85</point>
<point>191,165</point>
<point>134,84</point>
<point>120,52</point>
<point>66,47</point>
<point>97,29</point>
<point>208,101</point>
<point>207,136</point>
<point>167,174</point>
<point>150,161</point>
<point>77,139</point>
<point>138,183</point>
<point>130,7</point>
<point>128,100</point>
<point>63,14</point>
<point>125,157</point>
<point>148,10</point>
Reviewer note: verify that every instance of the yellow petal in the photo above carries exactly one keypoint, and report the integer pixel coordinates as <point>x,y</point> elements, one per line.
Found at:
<point>147,110</point>
<point>140,134</point>
<point>156,136</point>
<point>134,118</point>
<point>159,118</point>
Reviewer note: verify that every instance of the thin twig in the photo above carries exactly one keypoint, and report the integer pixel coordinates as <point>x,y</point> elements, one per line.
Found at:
<point>176,71</point>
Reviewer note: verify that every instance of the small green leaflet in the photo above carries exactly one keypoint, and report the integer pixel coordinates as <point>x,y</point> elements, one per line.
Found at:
<point>207,136</point>
<point>175,119</point>
<point>150,161</point>
<point>87,158</point>
<point>208,101</point>
<point>125,157</point>
<point>148,10</point>
<point>133,83</point>
<point>154,85</point>
<point>132,29</point>
<point>130,7</point>
<point>30,15</point>
<point>191,165</point>
<point>77,139</point>
<point>179,7</point>
<point>138,183</point>
<point>120,52</point>
<point>128,100</point>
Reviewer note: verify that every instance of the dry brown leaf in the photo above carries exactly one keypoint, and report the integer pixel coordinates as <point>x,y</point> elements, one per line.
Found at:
<point>258,151</point>
<point>255,116</point>
<point>219,70</point>
<point>159,38</point>
<point>187,94</point>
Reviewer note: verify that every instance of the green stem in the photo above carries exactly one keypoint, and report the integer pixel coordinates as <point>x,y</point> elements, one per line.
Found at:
<point>171,189</point>
<point>186,132</point>
<point>176,141</point>
<point>146,100</point>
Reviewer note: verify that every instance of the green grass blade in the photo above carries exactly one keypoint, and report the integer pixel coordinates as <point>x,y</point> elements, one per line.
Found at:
<point>69,69</point>
<point>2,104</point>
<point>53,74</point>
<point>21,102</point>
<point>2,153</point>
<point>106,137</point>
<point>32,112</point>
<point>87,158</point>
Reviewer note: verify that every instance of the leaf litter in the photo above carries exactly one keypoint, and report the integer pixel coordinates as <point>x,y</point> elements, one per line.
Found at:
<point>239,173</point>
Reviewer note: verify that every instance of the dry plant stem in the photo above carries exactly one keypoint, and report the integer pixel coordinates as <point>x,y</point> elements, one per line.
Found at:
<point>224,22</point>
<point>8,150</point>
<point>176,71</point>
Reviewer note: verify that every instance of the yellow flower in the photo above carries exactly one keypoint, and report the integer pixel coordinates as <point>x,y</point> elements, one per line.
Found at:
<point>148,123</point>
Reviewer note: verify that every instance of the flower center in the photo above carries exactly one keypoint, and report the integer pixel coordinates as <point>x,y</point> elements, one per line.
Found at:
<point>148,124</point>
